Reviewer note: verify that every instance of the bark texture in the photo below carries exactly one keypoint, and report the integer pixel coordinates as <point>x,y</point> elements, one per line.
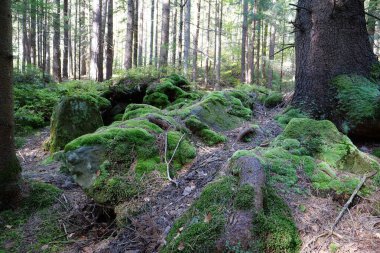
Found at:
<point>331,39</point>
<point>164,51</point>
<point>10,169</point>
<point>129,35</point>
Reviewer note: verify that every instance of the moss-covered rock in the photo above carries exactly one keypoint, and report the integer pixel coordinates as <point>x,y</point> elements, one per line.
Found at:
<point>200,129</point>
<point>110,163</point>
<point>73,117</point>
<point>290,113</point>
<point>273,99</point>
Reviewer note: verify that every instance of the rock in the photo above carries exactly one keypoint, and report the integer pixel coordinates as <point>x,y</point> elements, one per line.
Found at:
<point>73,117</point>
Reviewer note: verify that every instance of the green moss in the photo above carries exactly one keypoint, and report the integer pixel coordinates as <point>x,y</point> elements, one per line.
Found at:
<point>139,110</point>
<point>244,198</point>
<point>376,152</point>
<point>273,99</point>
<point>192,230</point>
<point>203,131</point>
<point>118,117</point>
<point>157,99</point>
<point>135,123</point>
<point>289,114</point>
<point>73,117</point>
<point>185,152</point>
<point>275,226</point>
<point>357,97</point>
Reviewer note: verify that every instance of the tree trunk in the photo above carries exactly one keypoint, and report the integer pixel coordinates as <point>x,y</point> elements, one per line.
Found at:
<point>258,76</point>
<point>141,34</point>
<point>95,39</point>
<point>174,38</point>
<point>180,36</point>
<point>272,46</point>
<point>129,35</point>
<point>264,50</point>
<point>251,51</point>
<point>109,51</point>
<point>371,21</point>
<point>65,72</point>
<point>207,67</point>
<point>196,38</point>
<point>330,40</point>
<point>83,69</point>
<point>27,60</point>
<point>136,33</point>
<point>151,34</point>
<point>56,44</point>
<point>33,26</point>
<point>219,50</point>
<point>165,33</point>
<point>187,37</point>
<point>10,170</point>
<point>244,40</point>
<point>156,38</point>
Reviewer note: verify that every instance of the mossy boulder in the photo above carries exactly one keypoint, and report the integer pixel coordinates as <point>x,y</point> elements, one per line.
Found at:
<point>327,157</point>
<point>358,110</point>
<point>219,110</point>
<point>273,99</point>
<point>202,130</point>
<point>110,163</point>
<point>73,117</point>
<point>290,113</point>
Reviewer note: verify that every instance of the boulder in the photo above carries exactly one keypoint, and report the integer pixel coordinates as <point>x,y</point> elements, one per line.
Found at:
<point>73,117</point>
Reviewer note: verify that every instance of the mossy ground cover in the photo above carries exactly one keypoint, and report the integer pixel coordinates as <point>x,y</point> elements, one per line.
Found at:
<point>37,206</point>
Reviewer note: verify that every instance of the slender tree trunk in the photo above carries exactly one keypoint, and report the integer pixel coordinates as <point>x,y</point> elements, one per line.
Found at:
<point>331,41</point>
<point>251,53</point>
<point>164,51</point>
<point>187,37</point>
<point>65,72</point>
<point>109,51</point>
<point>136,33</point>
<point>264,50</point>
<point>243,41</point>
<point>83,61</point>
<point>56,43</point>
<point>129,35</point>
<point>196,38</point>
<point>151,34</point>
<point>174,38</point>
<point>207,67</point>
<point>27,60</point>
<point>272,46</point>
<point>156,38</point>
<point>96,34</point>
<point>258,56</point>
<point>10,170</point>
<point>219,60</point>
<point>33,26</point>
<point>180,36</point>
<point>282,53</point>
<point>102,40</point>
<point>141,34</point>
<point>76,38</point>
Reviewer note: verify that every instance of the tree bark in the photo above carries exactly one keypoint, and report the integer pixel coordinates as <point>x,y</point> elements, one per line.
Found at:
<point>219,50</point>
<point>141,35</point>
<point>180,36</point>
<point>136,33</point>
<point>187,37</point>
<point>243,41</point>
<point>129,35</point>
<point>65,72</point>
<point>56,44</point>
<point>156,38</point>
<point>96,34</point>
<point>196,38</point>
<point>165,33</point>
<point>264,51</point>
<point>10,170</point>
<point>174,38</point>
<point>207,67</point>
<point>109,51</point>
<point>272,46</point>
<point>331,39</point>
<point>151,34</point>
<point>251,51</point>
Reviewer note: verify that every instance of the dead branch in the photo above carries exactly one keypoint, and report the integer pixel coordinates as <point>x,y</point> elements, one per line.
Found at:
<point>300,8</point>
<point>171,159</point>
<point>372,16</point>
<point>165,125</point>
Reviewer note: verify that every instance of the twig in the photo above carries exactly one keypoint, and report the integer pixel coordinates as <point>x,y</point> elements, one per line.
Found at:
<point>21,156</point>
<point>301,8</point>
<point>171,159</point>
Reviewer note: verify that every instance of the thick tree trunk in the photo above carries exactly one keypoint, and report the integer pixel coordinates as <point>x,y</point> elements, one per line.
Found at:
<point>165,33</point>
<point>10,169</point>
<point>243,41</point>
<point>129,35</point>
<point>196,38</point>
<point>330,40</point>
<point>65,72</point>
<point>109,51</point>
<point>56,44</point>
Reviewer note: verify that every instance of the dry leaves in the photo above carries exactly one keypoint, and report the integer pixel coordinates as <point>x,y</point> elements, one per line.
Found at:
<point>208,218</point>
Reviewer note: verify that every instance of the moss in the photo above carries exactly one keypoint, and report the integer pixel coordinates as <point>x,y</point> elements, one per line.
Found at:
<point>203,131</point>
<point>289,114</point>
<point>138,110</point>
<point>244,198</point>
<point>157,99</point>
<point>357,98</point>
<point>273,99</point>
<point>135,123</point>
<point>168,88</point>
<point>73,117</point>
<point>376,152</point>
<point>118,117</point>
<point>185,152</point>
<point>275,225</point>
<point>192,230</point>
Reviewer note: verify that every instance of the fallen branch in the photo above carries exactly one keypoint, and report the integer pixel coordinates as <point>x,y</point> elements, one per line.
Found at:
<point>171,159</point>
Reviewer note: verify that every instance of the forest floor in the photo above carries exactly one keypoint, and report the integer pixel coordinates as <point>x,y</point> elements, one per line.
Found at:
<point>90,228</point>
